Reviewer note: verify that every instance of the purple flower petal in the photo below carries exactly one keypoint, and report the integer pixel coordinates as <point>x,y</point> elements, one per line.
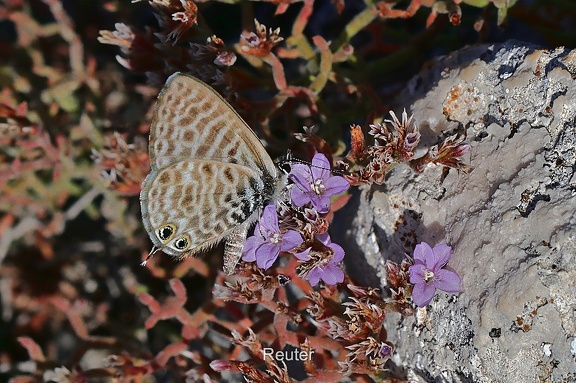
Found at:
<point>250,246</point>
<point>320,203</point>
<point>266,255</point>
<point>320,167</point>
<point>447,280</point>
<point>332,274</point>
<point>313,184</point>
<point>304,255</point>
<point>314,276</point>
<point>269,219</point>
<point>422,251</point>
<point>336,185</point>
<point>338,252</point>
<point>441,254</point>
<point>290,240</point>
<point>417,273</point>
<point>298,197</point>
<point>267,241</point>
<point>427,275</point>
<point>301,175</point>
<point>324,238</point>
<point>422,294</point>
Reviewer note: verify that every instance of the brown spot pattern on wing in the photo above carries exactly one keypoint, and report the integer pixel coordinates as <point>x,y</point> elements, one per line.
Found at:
<point>193,121</point>
<point>200,204</point>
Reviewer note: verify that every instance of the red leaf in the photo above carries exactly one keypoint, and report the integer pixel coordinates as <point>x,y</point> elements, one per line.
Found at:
<point>33,349</point>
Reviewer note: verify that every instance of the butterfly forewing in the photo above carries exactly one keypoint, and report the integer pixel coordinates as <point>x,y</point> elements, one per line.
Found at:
<point>210,173</point>
<point>193,121</point>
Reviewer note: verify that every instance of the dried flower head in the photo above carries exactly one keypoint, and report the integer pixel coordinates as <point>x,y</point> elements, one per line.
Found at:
<point>214,50</point>
<point>397,142</point>
<point>358,151</point>
<point>175,16</point>
<point>184,18</point>
<point>122,36</point>
<point>447,154</point>
<point>394,142</point>
<point>370,314</point>
<point>260,43</point>
<point>314,223</point>
<point>238,291</point>
<point>334,326</point>
<point>397,274</point>
<point>368,356</point>
<point>368,348</point>
<point>249,342</point>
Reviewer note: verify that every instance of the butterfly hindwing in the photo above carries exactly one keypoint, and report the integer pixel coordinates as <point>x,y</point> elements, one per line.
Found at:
<point>201,201</point>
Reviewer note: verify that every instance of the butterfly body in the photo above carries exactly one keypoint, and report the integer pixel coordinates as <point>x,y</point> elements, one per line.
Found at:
<point>210,174</point>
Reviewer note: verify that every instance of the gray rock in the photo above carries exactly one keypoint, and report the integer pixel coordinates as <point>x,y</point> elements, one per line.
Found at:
<point>511,221</point>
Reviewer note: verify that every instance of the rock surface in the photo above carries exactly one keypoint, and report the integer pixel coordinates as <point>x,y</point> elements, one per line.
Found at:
<point>511,220</point>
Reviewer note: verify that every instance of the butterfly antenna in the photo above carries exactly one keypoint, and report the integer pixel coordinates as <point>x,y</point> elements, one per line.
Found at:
<point>289,159</point>
<point>150,255</point>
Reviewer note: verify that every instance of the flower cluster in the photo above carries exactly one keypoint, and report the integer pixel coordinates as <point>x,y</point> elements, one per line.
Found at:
<point>395,141</point>
<point>322,265</point>
<point>268,241</point>
<point>122,36</point>
<point>448,154</point>
<point>361,326</point>
<point>304,229</point>
<point>163,52</point>
<point>182,17</point>
<point>214,50</point>
<point>122,166</point>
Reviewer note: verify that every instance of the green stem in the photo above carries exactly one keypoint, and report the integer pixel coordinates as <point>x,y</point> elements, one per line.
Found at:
<point>356,25</point>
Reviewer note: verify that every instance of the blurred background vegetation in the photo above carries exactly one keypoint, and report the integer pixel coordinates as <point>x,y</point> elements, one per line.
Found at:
<point>75,107</point>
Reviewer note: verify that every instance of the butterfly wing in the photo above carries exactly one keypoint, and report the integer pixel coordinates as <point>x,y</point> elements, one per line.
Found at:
<point>193,121</point>
<point>193,204</point>
<point>210,173</point>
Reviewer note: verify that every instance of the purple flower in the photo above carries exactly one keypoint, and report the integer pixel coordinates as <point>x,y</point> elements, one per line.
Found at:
<point>267,241</point>
<point>427,274</point>
<point>314,184</point>
<point>326,269</point>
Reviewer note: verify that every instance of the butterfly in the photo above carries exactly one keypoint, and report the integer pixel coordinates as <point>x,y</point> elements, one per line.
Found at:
<point>210,174</point>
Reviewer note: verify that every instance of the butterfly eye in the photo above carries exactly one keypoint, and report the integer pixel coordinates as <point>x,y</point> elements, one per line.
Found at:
<point>182,243</point>
<point>166,232</point>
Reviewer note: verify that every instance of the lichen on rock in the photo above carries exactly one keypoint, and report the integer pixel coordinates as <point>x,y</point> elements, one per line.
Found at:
<point>511,220</point>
